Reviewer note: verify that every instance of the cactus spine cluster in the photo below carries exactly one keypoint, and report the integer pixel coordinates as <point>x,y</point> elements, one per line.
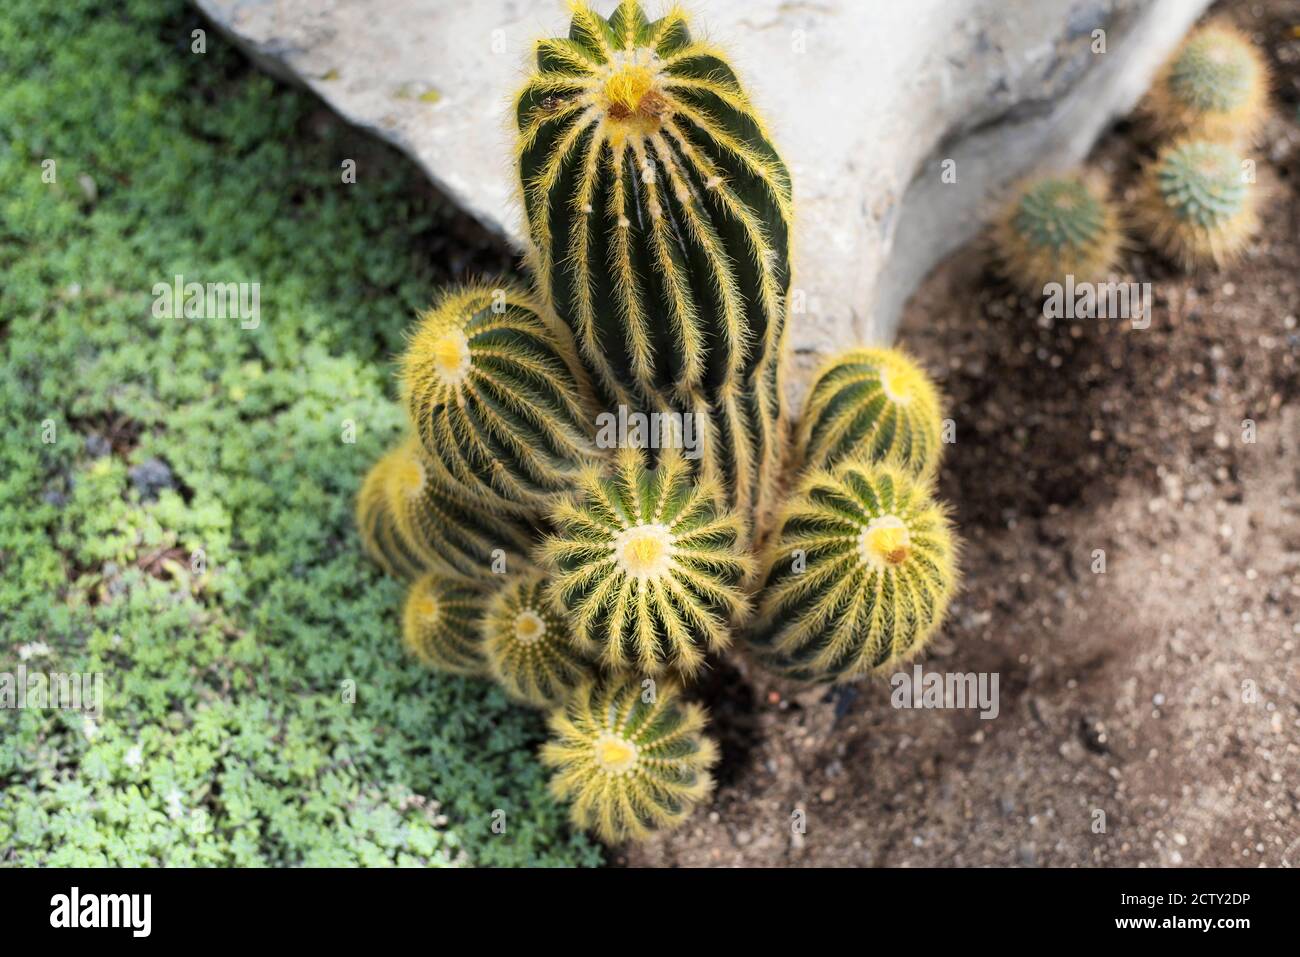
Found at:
<point>1199,204</point>
<point>858,576</point>
<point>647,563</point>
<point>876,403</point>
<point>589,583</point>
<point>1215,87</point>
<point>660,216</point>
<point>629,756</point>
<point>529,650</point>
<point>1055,227</point>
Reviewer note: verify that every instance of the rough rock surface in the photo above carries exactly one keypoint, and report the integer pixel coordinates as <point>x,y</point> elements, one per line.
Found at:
<point>867,101</point>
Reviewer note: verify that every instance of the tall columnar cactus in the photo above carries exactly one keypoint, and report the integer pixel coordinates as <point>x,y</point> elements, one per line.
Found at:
<point>454,537</point>
<point>1199,204</point>
<point>528,647</point>
<point>630,757</point>
<point>873,403</point>
<point>1058,226</point>
<point>647,566</point>
<point>1215,87</point>
<point>441,624</point>
<point>858,576</point>
<point>380,535</point>
<point>660,216</point>
<point>496,397</point>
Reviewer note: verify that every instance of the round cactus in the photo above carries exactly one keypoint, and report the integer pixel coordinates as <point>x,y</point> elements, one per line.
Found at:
<point>380,537</point>
<point>528,648</point>
<point>647,566</point>
<point>1058,226</point>
<point>1199,206</point>
<point>629,757</point>
<point>1215,87</point>
<point>858,576</point>
<point>496,399</point>
<point>441,623</point>
<point>876,404</point>
<point>660,218</point>
<point>455,537</point>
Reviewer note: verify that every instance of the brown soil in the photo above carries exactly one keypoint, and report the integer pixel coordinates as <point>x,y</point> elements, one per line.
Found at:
<point>1164,692</point>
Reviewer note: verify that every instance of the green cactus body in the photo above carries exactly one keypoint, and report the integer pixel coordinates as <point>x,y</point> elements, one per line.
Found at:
<point>1058,226</point>
<point>528,648</point>
<point>441,622</point>
<point>876,404</point>
<point>380,537</point>
<point>1199,206</point>
<point>858,576</point>
<point>495,396</point>
<point>660,218</point>
<point>628,765</point>
<point>647,566</point>
<point>1215,87</point>
<point>450,536</point>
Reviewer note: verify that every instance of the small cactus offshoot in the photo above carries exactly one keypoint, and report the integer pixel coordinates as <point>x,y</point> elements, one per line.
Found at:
<point>528,647</point>
<point>452,536</point>
<point>1058,226</point>
<point>441,624</point>
<point>1215,87</point>
<point>380,536</point>
<point>872,403</point>
<point>495,399</point>
<point>1199,204</point>
<point>660,217</point>
<point>647,566</point>
<point>629,756</point>
<point>858,577</point>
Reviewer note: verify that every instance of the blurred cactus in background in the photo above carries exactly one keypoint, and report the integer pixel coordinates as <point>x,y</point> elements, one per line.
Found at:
<point>1055,227</point>
<point>1215,87</point>
<point>1199,204</point>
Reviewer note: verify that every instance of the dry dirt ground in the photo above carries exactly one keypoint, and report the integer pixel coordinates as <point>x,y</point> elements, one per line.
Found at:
<point>1150,713</point>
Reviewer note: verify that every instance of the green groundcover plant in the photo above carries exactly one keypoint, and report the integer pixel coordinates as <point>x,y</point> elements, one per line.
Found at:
<point>176,494</point>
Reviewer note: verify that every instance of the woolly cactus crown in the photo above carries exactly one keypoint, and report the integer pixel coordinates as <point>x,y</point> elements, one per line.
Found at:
<point>1215,87</point>
<point>1199,204</point>
<point>1058,226</point>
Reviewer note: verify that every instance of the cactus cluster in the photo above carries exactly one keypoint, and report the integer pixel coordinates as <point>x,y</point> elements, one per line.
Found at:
<point>1197,203</point>
<point>596,584</point>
